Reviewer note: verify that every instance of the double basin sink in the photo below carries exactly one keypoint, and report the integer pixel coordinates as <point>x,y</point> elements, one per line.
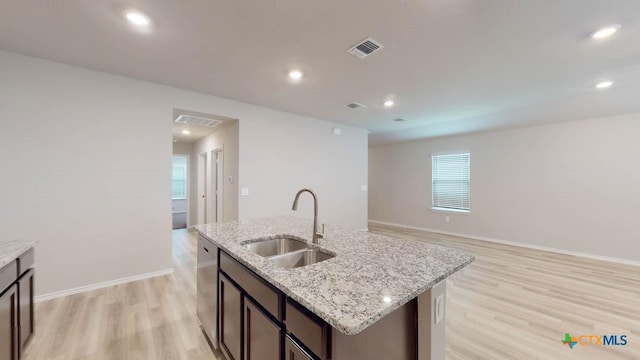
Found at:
<point>288,252</point>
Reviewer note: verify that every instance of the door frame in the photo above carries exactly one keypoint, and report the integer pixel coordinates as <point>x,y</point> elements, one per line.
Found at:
<point>188,185</point>
<point>210,185</point>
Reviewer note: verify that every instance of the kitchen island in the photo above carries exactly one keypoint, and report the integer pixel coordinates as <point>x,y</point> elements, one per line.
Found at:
<point>374,297</point>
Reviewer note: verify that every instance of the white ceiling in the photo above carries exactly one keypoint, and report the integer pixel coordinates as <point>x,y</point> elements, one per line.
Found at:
<point>196,132</point>
<point>453,66</point>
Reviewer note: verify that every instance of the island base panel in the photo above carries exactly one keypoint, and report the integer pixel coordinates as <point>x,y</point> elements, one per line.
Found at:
<point>431,335</point>
<point>392,337</point>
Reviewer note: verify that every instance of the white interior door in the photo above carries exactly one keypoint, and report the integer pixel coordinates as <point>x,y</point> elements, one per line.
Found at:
<point>212,179</point>
<point>202,188</point>
<point>217,182</point>
<point>219,186</point>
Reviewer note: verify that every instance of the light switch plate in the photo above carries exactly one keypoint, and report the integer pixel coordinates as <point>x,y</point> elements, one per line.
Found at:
<point>337,131</point>
<point>363,187</point>
<point>244,191</point>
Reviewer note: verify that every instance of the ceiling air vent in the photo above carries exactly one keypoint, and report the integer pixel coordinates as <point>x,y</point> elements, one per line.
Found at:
<point>355,105</point>
<point>365,48</point>
<point>197,120</point>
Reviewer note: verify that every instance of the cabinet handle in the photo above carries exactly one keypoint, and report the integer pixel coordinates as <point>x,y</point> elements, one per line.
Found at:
<point>205,249</point>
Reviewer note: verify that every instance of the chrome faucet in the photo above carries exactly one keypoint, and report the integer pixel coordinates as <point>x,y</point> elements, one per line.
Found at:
<point>316,235</point>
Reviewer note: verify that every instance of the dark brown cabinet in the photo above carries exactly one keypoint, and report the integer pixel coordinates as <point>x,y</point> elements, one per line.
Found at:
<point>16,306</point>
<point>261,335</point>
<point>230,319</point>
<point>293,352</point>
<point>249,313</point>
<point>257,321</point>
<point>25,314</point>
<point>9,324</point>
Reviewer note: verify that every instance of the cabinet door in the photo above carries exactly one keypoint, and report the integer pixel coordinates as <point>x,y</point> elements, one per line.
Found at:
<point>9,324</point>
<point>230,319</point>
<point>261,336</point>
<point>25,306</point>
<point>294,352</point>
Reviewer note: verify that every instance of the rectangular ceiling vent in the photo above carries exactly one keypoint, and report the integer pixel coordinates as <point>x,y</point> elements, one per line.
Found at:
<point>197,120</point>
<point>355,105</point>
<point>365,48</point>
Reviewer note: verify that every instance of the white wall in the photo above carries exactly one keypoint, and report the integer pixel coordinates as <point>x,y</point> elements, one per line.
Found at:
<point>182,148</point>
<point>89,157</point>
<point>226,138</point>
<point>283,153</point>
<point>571,186</point>
<point>86,171</point>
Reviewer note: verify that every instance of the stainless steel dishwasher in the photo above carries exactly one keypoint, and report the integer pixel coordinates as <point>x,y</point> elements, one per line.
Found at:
<point>207,289</point>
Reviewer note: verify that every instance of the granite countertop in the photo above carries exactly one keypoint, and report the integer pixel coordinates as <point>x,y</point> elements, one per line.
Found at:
<point>371,275</point>
<point>11,250</point>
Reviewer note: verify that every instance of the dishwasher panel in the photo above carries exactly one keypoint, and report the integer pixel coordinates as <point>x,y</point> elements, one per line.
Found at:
<point>207,289</point>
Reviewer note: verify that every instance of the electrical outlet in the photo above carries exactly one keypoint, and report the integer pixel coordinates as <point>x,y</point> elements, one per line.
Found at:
<point>363,187</point>
<point>244,191</point>
<point>439,309</point>
<point>447,219</point>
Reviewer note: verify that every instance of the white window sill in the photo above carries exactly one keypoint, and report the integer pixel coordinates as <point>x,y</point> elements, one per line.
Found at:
<point>451,211</point>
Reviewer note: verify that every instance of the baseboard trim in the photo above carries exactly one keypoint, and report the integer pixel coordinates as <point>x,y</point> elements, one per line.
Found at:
<point>101,285</point>
<point>511,243</point>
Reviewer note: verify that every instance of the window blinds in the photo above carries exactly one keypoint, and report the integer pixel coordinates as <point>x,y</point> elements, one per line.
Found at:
<point>451,181</point>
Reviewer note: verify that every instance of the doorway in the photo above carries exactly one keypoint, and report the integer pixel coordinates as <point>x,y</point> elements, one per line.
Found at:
<point>180,191</point>
<point>210,186</point>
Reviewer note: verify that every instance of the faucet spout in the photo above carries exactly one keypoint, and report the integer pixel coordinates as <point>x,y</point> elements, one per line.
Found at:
<point>316,235</point>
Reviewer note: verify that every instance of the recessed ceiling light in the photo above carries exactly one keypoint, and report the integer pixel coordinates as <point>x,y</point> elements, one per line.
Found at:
<point>295,75</point>
<point>386,299</point>
<point>604,84</point>
<point>186,132</point>
<point>605,32</point>
<point>137,18</point>
<point>389,103</point>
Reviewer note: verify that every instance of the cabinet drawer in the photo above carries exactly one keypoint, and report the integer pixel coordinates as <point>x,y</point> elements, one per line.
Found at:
<point>308,328</point>
<point>294,352</point>
<point>25,261</point>
<point>8,274</point>
<point>257,288</point>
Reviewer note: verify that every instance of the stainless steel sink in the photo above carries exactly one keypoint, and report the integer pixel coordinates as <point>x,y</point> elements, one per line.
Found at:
<point>277,246</point>
<point>301,258</point>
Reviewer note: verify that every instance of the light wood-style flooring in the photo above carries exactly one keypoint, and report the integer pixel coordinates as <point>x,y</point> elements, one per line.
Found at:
<point>147,319</point>
<point>511,303</point>
<point>517,303</point>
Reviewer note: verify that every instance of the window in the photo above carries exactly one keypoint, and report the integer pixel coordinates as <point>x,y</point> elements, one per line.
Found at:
<point>179,177</point>
<point>450,182</point>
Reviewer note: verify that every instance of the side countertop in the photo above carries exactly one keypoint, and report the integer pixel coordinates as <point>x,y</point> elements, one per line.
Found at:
<point>371,275</point>
<point>11,250</point>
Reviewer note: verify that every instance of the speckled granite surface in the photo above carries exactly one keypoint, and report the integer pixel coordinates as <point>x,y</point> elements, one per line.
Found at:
<point>10,250</point>
<point>370,276</point>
